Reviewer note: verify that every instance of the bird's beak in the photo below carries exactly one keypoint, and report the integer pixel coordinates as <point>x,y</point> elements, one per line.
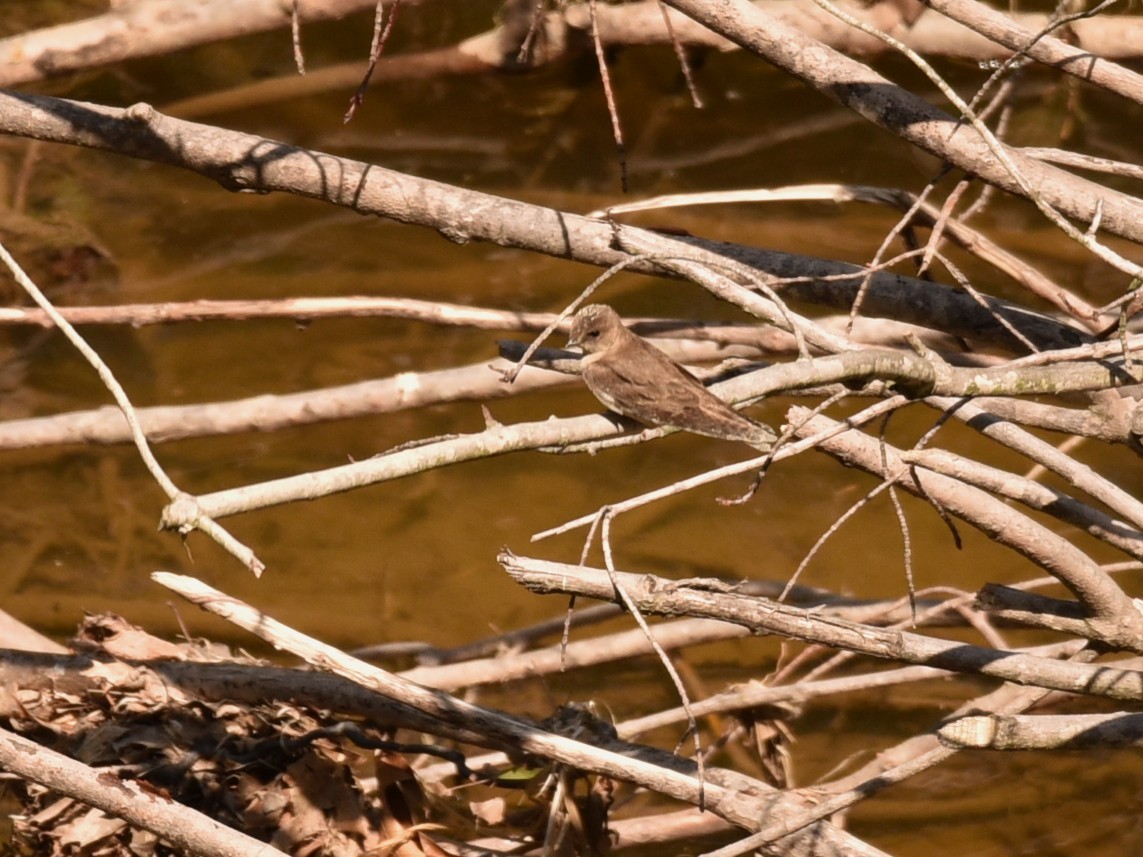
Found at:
<point>575,343</point>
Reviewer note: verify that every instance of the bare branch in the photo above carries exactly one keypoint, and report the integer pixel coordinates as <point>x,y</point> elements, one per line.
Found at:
<point>656,595</point>
<point>184,828</point>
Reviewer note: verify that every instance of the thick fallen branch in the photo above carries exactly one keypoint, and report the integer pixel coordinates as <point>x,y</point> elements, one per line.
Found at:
<point>164,26</point>
<point>1044,731</point>
<point>734,797</point>
<point>246,162</point>
<point>1111,616</point>
<point>658,596</point>
<point>904,114</point>
<point>188,830</point>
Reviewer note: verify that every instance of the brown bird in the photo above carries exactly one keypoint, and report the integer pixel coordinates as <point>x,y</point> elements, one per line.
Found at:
<point>634,378</point>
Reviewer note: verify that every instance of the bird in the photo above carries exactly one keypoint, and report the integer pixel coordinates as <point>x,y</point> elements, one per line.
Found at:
<point>633,378</point>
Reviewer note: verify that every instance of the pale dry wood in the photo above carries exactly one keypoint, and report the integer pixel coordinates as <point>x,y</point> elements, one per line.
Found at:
<point>150,28</point>
<point>884,332</point>
<point>785,450</point>
<point>920,754</point>
<point>1044,731</point>
<point>228,542</point>
<point>902,368</point>
<point>246,162</point>
<point>14,634</point>
<point>1111,615</point>
<point>1008,698</point>
<point>910,117</point>
<point>731,796</point>
<point>576,655</point>
<point>270,412</point>
<point>1078,474</point>
<point>656,596</point>
<point>190,831</point>
<point>1032,494</point>
<point>495,440</point>
<point>922,214</point>
<point>1089,60</point>
<point>294,309</point>
<point>159,27</point>
<point>478,382</point>
<point>1085,162</point>
<point>757,693</point>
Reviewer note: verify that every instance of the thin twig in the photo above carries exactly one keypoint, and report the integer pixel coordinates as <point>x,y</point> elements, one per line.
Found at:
<point>296,37</point>
<point>200,521</point>
<point>681,53</point>
<point>609,95</point>
<point>380,38</point>
<point>731,470</point>
<point>901,520</point>
<point>833,528</point>
<point>637,615</point>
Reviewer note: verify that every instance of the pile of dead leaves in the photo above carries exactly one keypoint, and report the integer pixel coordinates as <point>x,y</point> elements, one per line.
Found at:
<point>296,777</point>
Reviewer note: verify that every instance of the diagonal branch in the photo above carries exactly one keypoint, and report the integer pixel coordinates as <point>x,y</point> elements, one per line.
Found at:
<point>1112,615</point>
<point>659,596</point>
<point>910,117</point>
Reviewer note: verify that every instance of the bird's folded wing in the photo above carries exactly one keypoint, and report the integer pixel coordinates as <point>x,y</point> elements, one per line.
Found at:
<point>657,392</point>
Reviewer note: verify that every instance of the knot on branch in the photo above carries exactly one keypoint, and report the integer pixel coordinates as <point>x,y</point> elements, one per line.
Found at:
<point>141,112</point>
<point>182,514</point>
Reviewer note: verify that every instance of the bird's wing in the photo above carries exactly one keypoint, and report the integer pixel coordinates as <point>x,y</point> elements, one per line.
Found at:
<point>648,386</point>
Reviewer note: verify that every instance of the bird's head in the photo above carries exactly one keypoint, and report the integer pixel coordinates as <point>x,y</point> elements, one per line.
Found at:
<point>595,328</point>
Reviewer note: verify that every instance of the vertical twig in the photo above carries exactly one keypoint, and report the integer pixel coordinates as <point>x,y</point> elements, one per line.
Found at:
<point>380,37</point>
<point>681,53</point>
<point>628,602</point>
<point>296,37</point>
<point>524,55</point>
<point>901,519</point>
<point>612,110</point>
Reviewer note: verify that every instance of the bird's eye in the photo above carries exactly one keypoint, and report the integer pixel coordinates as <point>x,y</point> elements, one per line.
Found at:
<point>593,334</point>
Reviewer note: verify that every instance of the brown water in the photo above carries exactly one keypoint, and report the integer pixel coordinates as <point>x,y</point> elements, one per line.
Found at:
<point>415,559</point>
